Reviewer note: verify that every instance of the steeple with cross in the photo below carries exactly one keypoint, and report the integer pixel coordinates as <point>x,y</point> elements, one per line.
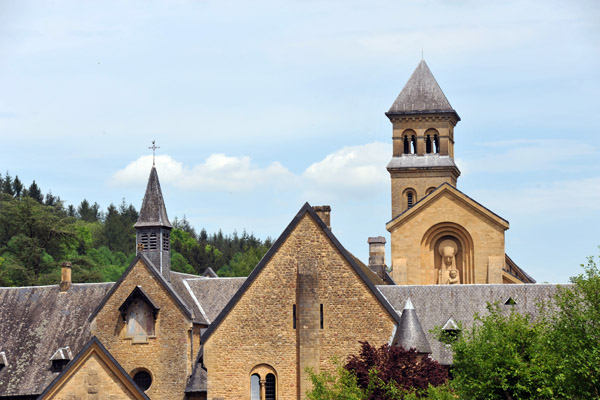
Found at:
<point>153,148</point>
<point>153,229</point>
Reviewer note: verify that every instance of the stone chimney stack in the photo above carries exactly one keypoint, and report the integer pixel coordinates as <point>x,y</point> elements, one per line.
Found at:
<point>65,276</point>
<point>377,255</point>
<point>324,212</point>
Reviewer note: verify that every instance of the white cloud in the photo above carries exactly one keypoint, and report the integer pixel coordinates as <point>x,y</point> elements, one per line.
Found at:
<point>217,173</point>
<point>351,170</point>
<point>355,170</point>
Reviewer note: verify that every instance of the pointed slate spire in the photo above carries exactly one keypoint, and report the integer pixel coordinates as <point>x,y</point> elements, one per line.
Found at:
<point>153,211</point>
<point>409,334</point>
<point>421,95</point>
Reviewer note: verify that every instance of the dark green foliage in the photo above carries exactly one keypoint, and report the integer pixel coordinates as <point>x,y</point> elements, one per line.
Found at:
<point>506,355</point>
<point>37,234</point>
<point>35,193</point>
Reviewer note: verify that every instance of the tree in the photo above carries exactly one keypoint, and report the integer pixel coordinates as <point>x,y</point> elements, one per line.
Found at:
<point>7,185</point>
<point>35,193</point>
<point>17,186</point>
<point>342,385</point>
<point>572,340</point>
<point>87,212</point>
<point>386,369</point>
<point>501,356</point>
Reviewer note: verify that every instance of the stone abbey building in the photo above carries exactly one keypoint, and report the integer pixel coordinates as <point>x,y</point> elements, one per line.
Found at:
<point>160,334</point>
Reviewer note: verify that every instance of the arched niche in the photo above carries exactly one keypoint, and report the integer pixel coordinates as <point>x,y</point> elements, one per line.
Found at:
<point>444,234</point>
<point>263,382</point>
<point>434,136</point>
<point>409,142</point>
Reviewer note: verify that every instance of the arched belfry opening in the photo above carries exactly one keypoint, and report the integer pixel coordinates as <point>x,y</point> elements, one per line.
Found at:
<point>447,255</point>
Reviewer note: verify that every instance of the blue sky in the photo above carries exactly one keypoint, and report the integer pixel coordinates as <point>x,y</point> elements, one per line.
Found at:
<point>260,106</point>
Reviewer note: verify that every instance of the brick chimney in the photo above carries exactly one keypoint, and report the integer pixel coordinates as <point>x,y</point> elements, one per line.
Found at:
<point>377,255</point>
<point>324,212</point>
<point>65,276</point>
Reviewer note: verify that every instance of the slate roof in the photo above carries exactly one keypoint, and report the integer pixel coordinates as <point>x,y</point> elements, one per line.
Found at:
<point>34,323</point>
<point>213,294</point>
<point>179,283</point>
<point>409,333</point>
<point>197,381</point>
<point>436,304</point>
<point>421,95</point>
<point>153,211</point>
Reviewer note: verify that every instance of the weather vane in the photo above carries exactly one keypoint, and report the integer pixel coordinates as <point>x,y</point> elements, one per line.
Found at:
<point>153,148</point>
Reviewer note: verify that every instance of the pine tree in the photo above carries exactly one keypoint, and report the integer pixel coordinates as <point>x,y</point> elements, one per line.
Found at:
<point>35,193</point>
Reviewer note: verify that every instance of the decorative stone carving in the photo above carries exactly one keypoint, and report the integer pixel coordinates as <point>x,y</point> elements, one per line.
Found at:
<point>448,273</point>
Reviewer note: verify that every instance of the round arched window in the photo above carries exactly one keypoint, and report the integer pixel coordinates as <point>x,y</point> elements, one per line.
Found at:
<point>143,380</point>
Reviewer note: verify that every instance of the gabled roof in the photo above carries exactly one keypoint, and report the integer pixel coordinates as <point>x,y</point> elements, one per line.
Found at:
<point>35,322</point>
<point>166,285</point>
<point>306,209</point>
<point>421,95</point>
<point>94,346</point>
<point>138,292</point>
<point>153,211</point>
<point>438,192</point>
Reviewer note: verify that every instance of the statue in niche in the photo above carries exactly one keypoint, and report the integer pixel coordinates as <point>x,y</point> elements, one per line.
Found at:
<point>448,273</point>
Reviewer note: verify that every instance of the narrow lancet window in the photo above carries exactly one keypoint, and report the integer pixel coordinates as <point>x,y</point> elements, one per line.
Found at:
<point>321,316</point>
<point>436,142</point>
<point>294,316</point>
<point>410,201</point>
<point>414,145</point>
<point>270,387</point>
<point>428,144</point>
<point>406,145</point>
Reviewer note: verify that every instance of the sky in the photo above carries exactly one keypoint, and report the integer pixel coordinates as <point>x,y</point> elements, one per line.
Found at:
<point>260,106</point>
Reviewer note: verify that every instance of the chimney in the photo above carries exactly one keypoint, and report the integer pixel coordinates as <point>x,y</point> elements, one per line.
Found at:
<point>65,276</point>
<point>377,255</point>
<point>324,212</point>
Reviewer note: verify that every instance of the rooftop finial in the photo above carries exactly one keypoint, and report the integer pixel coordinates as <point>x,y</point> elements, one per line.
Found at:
<point>153,148</point>
<point>422,54</point>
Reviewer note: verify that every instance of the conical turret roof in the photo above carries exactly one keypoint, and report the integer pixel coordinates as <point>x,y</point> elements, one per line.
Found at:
<point>409,334</point>
<point>153,211</point>
<point>421,95</point>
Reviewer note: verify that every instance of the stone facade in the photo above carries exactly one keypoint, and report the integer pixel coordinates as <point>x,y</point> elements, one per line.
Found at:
<point>307,271</point>
<point>166,355</point>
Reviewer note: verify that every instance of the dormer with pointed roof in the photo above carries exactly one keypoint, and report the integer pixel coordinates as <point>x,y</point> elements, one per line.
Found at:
<point>153,229</point>
<point>423,140</point>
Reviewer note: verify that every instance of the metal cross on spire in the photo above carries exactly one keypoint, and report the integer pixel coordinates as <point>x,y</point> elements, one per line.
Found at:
<point>153,148</point>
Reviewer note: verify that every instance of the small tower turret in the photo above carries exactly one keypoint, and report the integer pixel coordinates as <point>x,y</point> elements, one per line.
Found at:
<point>153,229</point>
<point>423,140</point>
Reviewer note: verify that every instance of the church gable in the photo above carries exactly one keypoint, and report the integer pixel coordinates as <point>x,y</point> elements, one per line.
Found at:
<point>94,373</point>
<point>147,327</point>
<point>453,195</point>
<point>305,302</point>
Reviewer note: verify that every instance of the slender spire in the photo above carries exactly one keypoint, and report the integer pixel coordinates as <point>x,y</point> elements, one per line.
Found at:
<point>409,334</point>
<point>421,95</point>
<point>153,211</point>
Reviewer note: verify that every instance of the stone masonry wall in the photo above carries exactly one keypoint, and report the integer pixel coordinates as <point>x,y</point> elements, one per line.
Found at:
<point>259,329</point>
<point>488,237</point>
<point>93,381</point>
<point>166,355</point>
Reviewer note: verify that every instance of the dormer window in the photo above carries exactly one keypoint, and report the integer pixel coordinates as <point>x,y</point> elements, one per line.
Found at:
<point>61,358</point>
<point>139,315</point>
<point>3,362</point>
<point>450,331</point>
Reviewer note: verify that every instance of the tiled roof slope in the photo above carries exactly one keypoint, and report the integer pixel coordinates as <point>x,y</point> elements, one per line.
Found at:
<point>34,323</point>
<point>179,283</point>
<point>213,294</point>
<point>421,94</point>
<point>435,304</point>
<point>153,211</point>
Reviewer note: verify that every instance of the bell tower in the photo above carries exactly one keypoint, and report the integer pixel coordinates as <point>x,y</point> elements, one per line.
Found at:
<point>153,229</point>
<point>423,140</point>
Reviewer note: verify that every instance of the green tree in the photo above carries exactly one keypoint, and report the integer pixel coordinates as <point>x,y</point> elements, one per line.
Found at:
<point>87,212</point>
<point>7,185</point>
<point>35,193</point>
<point>502,356</point>
<point>17,186</point>
<point>243,263</point>
<point>572,325</point>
